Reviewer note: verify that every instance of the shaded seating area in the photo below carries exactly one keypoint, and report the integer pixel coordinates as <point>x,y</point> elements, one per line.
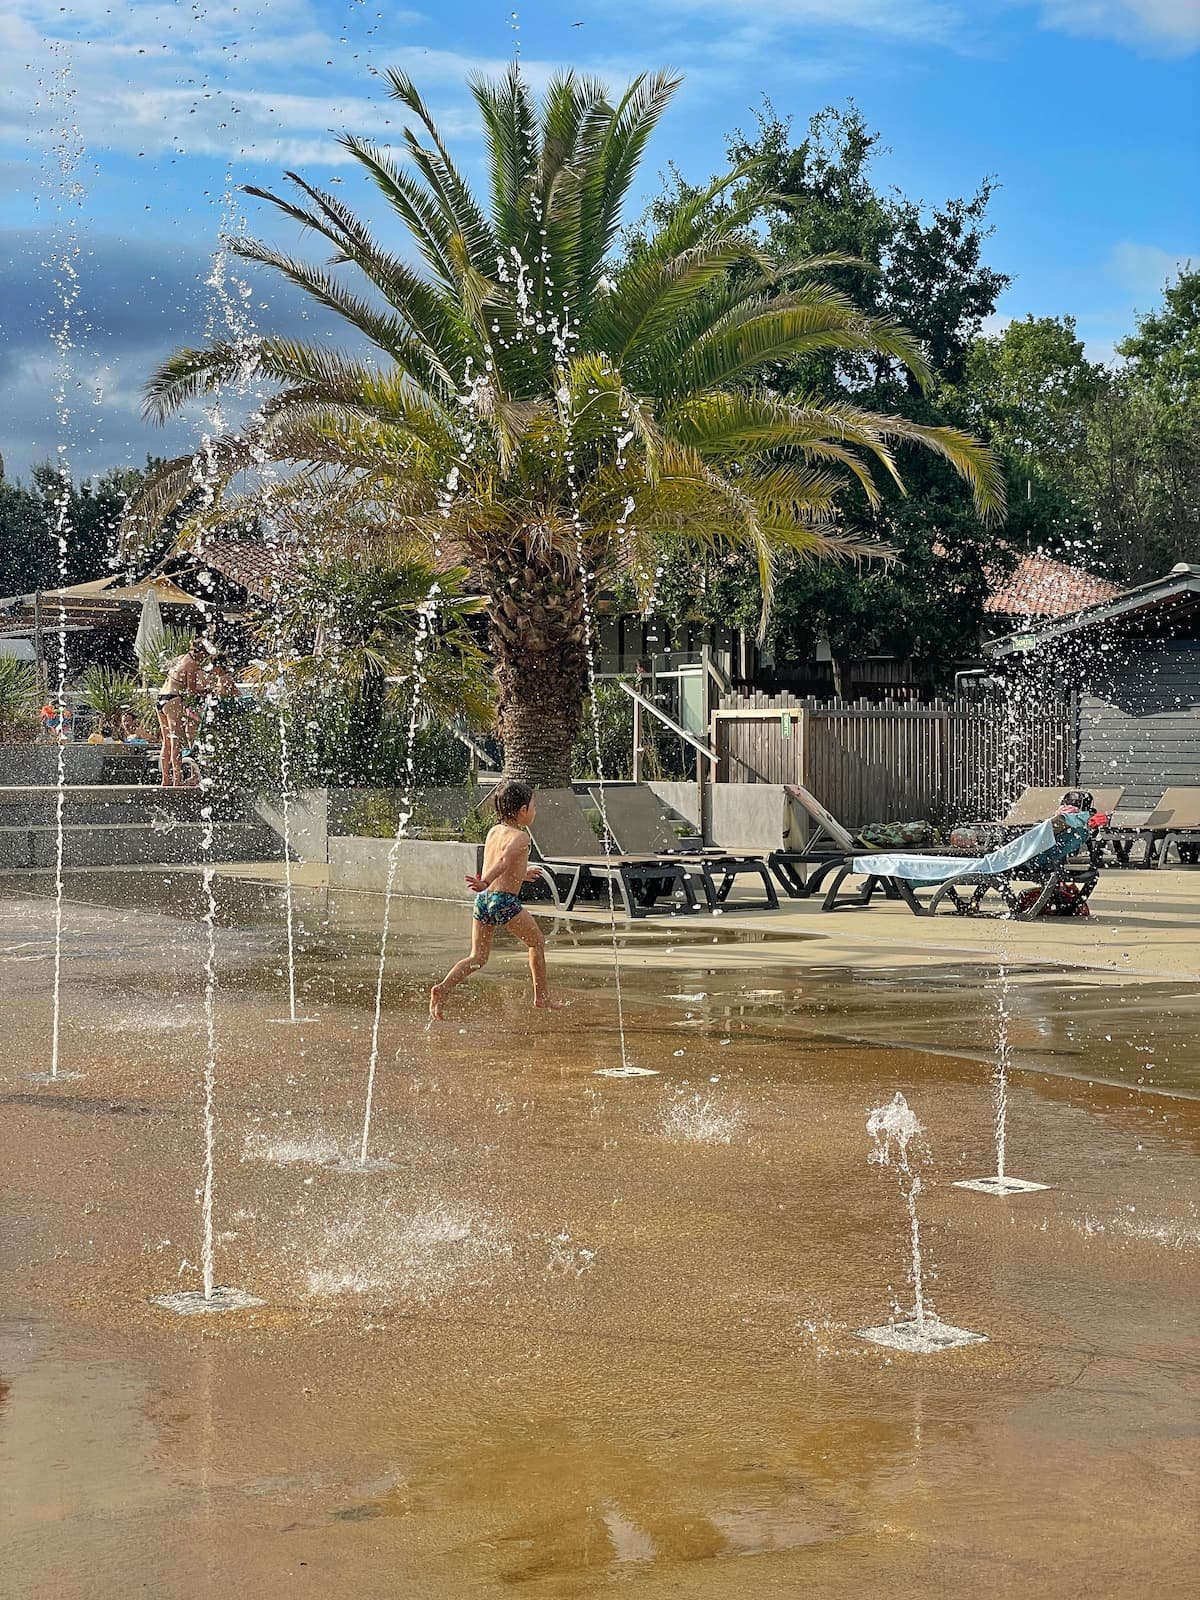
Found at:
<point>1040,857</point>
<point>574,864</point>
<point>638,820</point>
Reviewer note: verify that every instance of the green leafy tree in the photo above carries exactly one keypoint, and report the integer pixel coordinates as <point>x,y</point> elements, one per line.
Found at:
<point>1141,474</point>
<point>377,628</point>
<point>549,416</point>
<point>924,268</point>
<point>91,519</point>
<point>1031,391</point>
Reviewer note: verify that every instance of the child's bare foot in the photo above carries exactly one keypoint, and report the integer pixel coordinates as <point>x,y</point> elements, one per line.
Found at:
<point>544,1003</point>
<point>435,1004</point>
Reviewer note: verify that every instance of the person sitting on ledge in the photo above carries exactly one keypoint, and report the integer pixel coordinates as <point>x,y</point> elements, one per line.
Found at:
<point>132,731</point>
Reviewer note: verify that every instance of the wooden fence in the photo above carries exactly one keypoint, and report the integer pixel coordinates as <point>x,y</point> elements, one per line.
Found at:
<point>878,763</point>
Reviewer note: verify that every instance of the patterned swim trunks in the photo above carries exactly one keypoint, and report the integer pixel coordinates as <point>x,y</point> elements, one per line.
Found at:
<point>495,907</point>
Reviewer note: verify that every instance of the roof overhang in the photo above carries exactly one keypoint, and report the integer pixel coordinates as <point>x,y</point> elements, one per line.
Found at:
<point>101,603</point>
<point>1171,598</point>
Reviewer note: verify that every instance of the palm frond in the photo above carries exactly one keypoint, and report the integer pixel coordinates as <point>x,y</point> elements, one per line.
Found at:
<point>510,133</point>
<point>459,206</point>
<point>615,142</point>
<point>417,209</point>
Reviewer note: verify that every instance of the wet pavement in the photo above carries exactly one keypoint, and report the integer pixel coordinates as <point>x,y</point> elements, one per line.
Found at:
<point>584,1333</point>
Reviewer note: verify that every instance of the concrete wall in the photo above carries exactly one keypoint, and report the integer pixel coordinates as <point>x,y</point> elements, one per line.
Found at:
<point>682,799</point>
<point>23,765</point>
<point>1141,727</point>
<point>316,816</point>
<point>748,814</point>
<point>426,869</point>
<point>308,823</point>
<point>753,815</point>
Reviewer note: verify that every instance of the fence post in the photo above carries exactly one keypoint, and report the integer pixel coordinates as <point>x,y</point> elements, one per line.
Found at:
<point>703,803</point>
<point>1074,735</point>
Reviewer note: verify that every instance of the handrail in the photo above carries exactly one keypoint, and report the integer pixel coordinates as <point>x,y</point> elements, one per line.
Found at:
<point>657,711</point>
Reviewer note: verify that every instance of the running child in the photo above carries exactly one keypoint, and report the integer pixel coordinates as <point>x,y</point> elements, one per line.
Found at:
<point>498,898</point>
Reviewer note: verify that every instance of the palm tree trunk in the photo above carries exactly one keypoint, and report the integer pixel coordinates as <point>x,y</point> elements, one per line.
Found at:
<point>540,698</point>
<point>539,640</point>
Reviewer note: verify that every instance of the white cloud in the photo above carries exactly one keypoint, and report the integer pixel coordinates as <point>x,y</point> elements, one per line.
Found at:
<point>145,79</point>
<point>934,21</point>
<point>150,78</point>
<point>1171,26</point>
<point>1144,269</point>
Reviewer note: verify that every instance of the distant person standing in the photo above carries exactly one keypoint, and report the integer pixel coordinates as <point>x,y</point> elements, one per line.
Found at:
<point>195,675</point>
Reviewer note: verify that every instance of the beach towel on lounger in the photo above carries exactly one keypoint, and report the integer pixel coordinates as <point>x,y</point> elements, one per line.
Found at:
<point>940,869</point>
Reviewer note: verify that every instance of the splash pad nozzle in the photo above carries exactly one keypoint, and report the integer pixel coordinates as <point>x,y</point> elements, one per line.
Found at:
<point>924,1340</point>
<point>1000,1184</point>
<point>893,1129</point>
<point>194,1302</point>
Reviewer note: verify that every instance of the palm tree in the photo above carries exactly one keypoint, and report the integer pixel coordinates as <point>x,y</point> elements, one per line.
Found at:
<point>367,629</point>
<point>538,412</point>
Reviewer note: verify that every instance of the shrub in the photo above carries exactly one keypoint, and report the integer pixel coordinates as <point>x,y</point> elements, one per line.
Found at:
<point>662,753</point>
<point>109,692</point>
<point>18,701</point>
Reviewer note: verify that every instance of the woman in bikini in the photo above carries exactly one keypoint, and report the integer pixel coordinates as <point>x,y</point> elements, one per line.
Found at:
<point>190,676</point>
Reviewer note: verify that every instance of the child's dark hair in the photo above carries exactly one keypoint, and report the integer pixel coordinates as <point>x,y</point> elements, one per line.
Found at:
<point>510,797</point>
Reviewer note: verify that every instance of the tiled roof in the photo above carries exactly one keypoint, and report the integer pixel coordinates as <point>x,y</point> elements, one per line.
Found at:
<point>257,568</point>
<point>1040,587</point>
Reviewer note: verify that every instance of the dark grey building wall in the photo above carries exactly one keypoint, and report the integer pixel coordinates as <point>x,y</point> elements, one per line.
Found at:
<point>1141,726</point>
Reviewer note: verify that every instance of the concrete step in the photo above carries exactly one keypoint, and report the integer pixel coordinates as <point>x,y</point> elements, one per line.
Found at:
<point>119,844</point>
<point>37,805</point>
<point>83,763</point>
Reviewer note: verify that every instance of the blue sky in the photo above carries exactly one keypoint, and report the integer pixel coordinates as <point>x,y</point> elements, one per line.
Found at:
<point>124,120</point>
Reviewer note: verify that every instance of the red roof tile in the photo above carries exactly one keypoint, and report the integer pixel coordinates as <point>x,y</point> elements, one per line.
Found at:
<point>1040,587</point>
<point>258,568</point>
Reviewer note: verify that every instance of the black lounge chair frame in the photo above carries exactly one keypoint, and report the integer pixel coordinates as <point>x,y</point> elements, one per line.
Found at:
<point>1048,881</point>
<point>712,863</point>
<point>639,883</point>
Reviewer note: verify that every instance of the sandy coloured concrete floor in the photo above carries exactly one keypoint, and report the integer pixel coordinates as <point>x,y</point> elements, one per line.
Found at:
<point>589,1336</point>
<point>1143,922</point>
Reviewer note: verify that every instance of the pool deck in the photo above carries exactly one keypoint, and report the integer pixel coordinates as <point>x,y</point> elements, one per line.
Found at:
<point>1144,924</point>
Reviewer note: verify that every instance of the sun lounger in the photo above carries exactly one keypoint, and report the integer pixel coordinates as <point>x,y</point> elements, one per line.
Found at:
<point>828,847</point>
<point>572,861</point>
<point>1021,860</point>
<point>1035,805</point>
<point>1125,832</point>
<point>638,820</point>
<point>1174,824</point>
